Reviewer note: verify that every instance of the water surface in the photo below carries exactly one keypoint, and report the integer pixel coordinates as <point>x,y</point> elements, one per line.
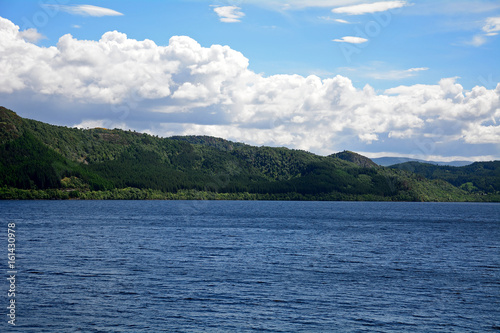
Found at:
<point>190,266</point>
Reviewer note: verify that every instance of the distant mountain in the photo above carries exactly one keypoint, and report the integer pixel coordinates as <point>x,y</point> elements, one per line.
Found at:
<point>388,161</point>
<point>42,161</point>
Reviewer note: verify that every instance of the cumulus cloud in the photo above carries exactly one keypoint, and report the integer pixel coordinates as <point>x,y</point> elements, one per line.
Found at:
<point>476,134</point>
<point>184,88</point>
<point>368,8</point>
<point>31,35</point>
<point>351,40</point>
<point>229,14</point>
<point>86,10</point>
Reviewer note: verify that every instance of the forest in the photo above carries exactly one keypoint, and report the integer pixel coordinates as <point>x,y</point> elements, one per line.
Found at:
<point>43,161</point>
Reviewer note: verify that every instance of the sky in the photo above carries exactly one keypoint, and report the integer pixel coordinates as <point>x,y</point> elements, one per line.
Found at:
<point>409,78</point>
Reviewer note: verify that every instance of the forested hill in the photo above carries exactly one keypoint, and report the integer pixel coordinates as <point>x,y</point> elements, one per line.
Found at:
<point>479,177</point>
<point>42,161</point>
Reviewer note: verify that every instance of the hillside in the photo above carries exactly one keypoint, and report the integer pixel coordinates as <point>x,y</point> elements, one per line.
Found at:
<point>355,158</point>
<point>42,161</point>
<point>478,177</point>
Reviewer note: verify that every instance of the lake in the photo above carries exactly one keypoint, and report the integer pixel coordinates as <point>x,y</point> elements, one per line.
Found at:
<point>243,266</point>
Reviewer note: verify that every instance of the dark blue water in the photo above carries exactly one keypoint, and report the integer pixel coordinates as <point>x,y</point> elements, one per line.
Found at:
<point>173,266</point>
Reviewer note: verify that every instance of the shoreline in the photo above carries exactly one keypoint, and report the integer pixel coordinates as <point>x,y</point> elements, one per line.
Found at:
<point>193,195</point>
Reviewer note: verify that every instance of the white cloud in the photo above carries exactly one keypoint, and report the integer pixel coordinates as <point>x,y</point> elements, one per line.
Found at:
<point>102,123</point>
<point>86,10</point>
<point>184,88</point>
<point>477,133</point>
<point>477,40</point>
<point>380,70</point>
<point>492,26</point>
<point>327,18</point>
<point>229,14</point>
<point>301,4</point>
<point>368,137</point>
<point>419,69</point>
<point>351,39</point>
<point>396,74</point>
<point>31,35</point>
<point>369,7</point>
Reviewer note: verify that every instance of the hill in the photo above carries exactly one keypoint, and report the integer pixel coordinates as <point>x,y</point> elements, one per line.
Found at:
<point>355,158</point>
<point>478,177</point>
<point>42,161</point>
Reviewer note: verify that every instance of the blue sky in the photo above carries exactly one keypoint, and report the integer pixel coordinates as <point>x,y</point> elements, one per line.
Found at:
<point>400,78</point>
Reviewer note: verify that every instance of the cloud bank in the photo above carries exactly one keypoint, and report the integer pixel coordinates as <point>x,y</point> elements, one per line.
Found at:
<point>184,88</point>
